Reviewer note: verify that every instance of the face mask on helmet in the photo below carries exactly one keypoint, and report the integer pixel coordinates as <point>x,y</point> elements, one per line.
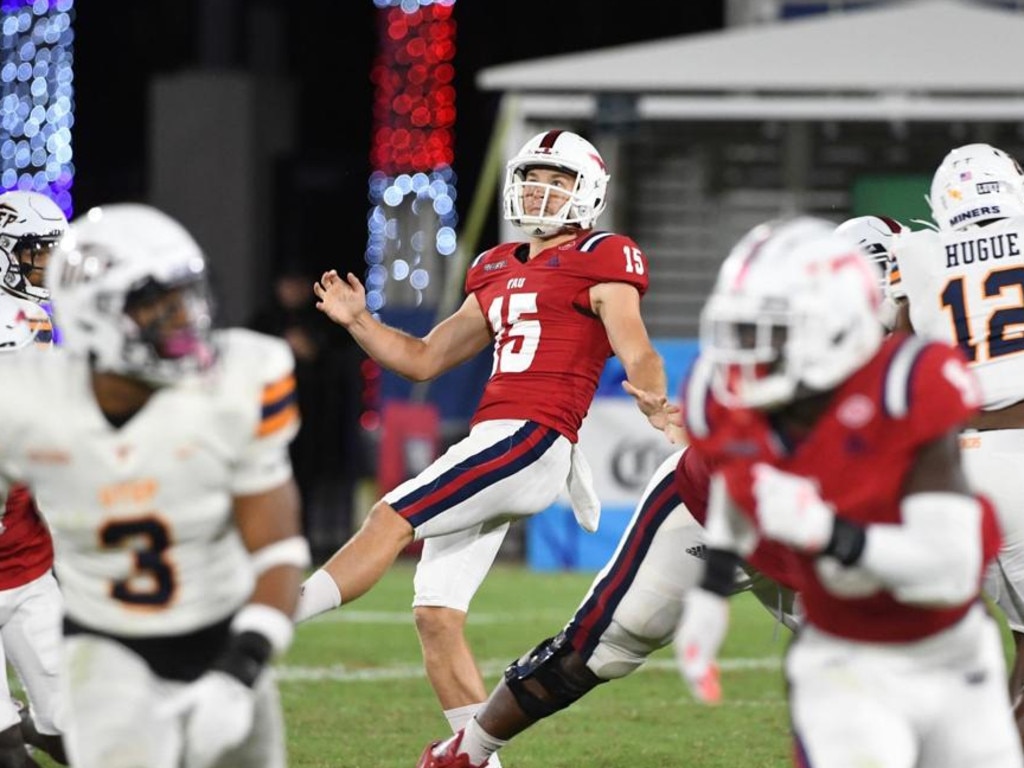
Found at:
<point>129,290</point>
<point>793,313</point>
<point>556,181</point>
<point>31,225</point>
<point>172,325</point>
<point>976,183</point>
<point>748,345</point>
<point>875,236</point>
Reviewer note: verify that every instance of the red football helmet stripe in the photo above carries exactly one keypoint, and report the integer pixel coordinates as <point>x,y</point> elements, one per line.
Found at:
<point>549,139</point>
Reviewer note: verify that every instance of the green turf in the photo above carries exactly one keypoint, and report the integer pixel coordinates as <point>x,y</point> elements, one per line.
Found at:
<point>647,719</point>
<point>337,719</point>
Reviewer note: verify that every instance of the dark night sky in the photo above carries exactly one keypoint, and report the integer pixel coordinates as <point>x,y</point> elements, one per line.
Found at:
<point>121,45</point>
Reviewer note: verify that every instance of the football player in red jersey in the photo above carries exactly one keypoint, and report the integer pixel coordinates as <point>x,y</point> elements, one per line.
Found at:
<point>842,446</point>
<point>553,308</point>
<point>31,609</point>
<point>631,610</point>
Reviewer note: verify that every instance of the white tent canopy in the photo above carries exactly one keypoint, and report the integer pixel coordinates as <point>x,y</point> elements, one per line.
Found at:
<point>925,60</point>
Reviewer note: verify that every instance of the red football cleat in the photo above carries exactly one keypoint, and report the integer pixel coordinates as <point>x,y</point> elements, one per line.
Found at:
<point>450,758</point>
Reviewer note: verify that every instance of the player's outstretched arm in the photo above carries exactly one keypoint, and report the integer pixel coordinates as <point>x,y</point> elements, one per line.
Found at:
<point>270,525</point>
<point>902,323</point>
<point>618,306</point>
<point>341,299</point>
<point>933,556</point>
<point>662,414</point>
<point>451,342</point>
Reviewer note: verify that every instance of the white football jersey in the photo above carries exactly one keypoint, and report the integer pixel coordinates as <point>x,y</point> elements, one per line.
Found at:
<point>142,514</point>
<point>967,288</point>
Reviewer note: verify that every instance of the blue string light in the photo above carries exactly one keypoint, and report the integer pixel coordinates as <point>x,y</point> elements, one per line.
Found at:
<point>37,97</point>
<point>412,195</point>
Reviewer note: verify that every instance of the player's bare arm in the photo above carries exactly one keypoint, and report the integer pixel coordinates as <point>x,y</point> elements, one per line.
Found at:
<point>341,299</point>
<point>662,414</point>
<point>930,558</point>
<point>618,306</point>
<point>269,522</point>
<point>937,468</point>
<point>933,556</point>
<point>451,342</point>
<point>903,317</point>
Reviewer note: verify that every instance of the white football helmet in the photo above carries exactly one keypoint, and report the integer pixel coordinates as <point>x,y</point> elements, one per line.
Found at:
<point>564,151</point>
<point>875,236</point>
<point>30,226</point>
<point>793,312</point>
<point>975,183</point>
<point>128,286</point>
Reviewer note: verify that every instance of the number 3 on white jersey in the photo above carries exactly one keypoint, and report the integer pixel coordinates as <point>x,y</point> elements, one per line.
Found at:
<point>510,354</point>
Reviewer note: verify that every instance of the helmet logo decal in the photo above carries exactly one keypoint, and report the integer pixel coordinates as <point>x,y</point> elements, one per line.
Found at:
<point>856,411</point>
<point>8,215</point>
<point>974,213</point>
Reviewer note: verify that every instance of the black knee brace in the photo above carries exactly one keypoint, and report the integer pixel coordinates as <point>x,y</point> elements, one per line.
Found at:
<point>51,745</point>
<point>12,750</point>
<point>549,678</point>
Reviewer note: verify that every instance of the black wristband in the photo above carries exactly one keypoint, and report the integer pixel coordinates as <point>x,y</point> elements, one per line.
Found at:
<point>847,541</point>
<point>244,656</point>
<point>720,572</point>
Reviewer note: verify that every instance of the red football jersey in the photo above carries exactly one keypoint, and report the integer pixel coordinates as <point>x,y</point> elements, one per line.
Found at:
<point>859,453</point>
<point>693,483</point>
<point>549,347</point>
<point>26,549</point>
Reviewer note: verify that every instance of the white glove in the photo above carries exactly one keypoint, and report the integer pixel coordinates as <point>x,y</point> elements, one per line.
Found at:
<point>700,635</point>
<point>790,510</point>
<point>219,711</point>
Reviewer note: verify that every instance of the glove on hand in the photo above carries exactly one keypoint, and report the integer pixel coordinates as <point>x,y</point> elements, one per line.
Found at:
<point>219,711</point>
<point>700,635</point>
<point>790,510</point>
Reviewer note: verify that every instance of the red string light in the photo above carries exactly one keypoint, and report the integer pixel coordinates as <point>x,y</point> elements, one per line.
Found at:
<point>414,106</point>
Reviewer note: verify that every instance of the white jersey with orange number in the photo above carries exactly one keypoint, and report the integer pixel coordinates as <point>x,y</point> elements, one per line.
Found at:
<point>141,514</point>
<point>967,288</point>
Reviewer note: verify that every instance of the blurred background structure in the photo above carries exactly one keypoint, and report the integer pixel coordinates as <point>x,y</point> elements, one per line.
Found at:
<point>370,135</point>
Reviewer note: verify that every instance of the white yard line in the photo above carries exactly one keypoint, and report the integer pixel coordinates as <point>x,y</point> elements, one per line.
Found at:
<point>341,673</point>
<point>405,617</point>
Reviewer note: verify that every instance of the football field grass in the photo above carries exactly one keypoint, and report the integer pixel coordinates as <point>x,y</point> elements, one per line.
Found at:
<point>355,695</point>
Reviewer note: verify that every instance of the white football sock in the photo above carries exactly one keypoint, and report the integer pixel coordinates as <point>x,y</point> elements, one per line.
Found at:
<point>462,718</point>
<point>459,717</point>
<point>480,745</point>
<point>317,595</point>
